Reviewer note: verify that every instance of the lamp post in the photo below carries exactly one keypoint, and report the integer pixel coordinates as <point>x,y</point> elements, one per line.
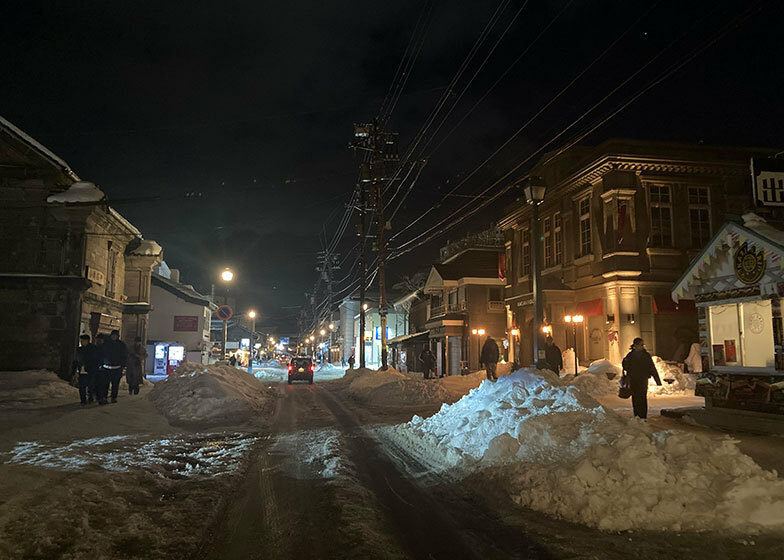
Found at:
<point>479,333</point>
<point>573,320</point>
<point>515,333</point>
<point>252,315</point>
<point>226,276</point>
<point>329,350</point>
<point>534,193</point>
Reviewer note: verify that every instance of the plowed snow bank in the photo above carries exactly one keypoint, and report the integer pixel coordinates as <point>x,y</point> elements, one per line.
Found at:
<point>562,453</point>
<point>213,395</point>
<point>25,388</point>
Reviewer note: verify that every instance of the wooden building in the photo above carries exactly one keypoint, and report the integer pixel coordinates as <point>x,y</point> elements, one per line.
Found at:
<point>620,223</point>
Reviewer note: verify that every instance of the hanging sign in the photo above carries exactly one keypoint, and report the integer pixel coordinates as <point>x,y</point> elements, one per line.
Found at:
<point>767,180</point>
<point>749,264</point>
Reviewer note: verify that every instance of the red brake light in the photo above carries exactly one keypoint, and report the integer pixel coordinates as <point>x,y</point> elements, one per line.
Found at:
<point>312,367</point>
<point>291,367</point>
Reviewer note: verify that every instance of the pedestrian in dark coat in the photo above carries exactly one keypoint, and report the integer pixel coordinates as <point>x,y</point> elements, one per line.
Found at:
<point>88,360</point>
<point>552,355</point>
<point>428,361</point>
<point>135,368</point>
<point>639,366</point>
<point>489,358</point>
<point>115,358</point>
<point>351,361</point>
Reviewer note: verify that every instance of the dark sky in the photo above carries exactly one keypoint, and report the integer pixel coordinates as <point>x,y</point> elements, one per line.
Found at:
<point>236,115</point>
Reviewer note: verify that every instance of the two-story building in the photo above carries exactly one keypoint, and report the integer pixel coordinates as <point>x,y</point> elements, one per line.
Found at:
<point>619,223</point>
<point>180,315</point>
<point>69,262</point>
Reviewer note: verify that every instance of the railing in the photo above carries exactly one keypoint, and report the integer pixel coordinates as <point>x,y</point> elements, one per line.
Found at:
<point>496,306</point>
<point>460,306</point>
<point>437,311</point>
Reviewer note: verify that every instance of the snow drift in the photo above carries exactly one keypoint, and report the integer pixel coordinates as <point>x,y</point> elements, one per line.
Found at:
<point>27,388</point>
<point>601,379</point>
<point>392,388</point>
<point>562,453</point>
<point>212,395</point>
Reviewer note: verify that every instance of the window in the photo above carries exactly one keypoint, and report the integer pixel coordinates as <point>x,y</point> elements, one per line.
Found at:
<point>526,253</point>
<point>742,334</point>
<point>661,216</point>
<point>558,259</point>
<point>111,266</point>
<point>584,211</point>
<point>548,242</point>
<point>453,298</point>
<point>699,216</point>
<point>495,294</point>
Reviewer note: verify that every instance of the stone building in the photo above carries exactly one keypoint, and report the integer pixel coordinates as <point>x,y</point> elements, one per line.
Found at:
<point>69,263</point>
<point>620,222</point>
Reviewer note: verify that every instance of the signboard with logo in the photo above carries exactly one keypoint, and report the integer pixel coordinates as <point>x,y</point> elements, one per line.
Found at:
<point>96,276</point>
<point>285,340</point>
<point>186,323</point>
<point>767,180</point>
<point>749,264</point>
<point>378,333</point>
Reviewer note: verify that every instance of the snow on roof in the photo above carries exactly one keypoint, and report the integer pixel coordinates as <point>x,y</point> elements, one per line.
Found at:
<point>759,225</point>
<point>125,222</point>
<point>81,191</point>
<point>37,146</point>
<point>147,247</point>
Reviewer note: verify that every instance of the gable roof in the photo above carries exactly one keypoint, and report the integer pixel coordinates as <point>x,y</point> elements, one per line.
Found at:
<point>755,230</point>
<point>37,147</point>
<point>182,291</point>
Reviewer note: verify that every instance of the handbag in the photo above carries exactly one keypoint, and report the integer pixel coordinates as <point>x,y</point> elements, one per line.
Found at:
<point>625,387</point>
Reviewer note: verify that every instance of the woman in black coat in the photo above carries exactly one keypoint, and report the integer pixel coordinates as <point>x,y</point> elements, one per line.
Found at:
<point>639,366</point>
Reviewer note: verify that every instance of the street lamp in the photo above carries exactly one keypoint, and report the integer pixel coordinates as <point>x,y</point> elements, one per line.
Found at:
<point>479,333</point>
<point>329,350</point>
<point>534,194</point>
<point>227,276</point>
<point>574,319</point>
<point>515,333</point>
<point>252,315</point>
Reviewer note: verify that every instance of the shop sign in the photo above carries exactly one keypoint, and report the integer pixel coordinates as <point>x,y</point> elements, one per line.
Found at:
<point>96,276</point>
<point>186,323</point>
<point>749,264</point>
<point>767,180</point>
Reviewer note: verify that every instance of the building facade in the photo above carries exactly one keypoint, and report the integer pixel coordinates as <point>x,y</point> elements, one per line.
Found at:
<point>620,222</point>
<point>69,263</point>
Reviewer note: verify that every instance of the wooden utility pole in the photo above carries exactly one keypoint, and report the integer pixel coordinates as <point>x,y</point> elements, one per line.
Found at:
<point>362,271</point>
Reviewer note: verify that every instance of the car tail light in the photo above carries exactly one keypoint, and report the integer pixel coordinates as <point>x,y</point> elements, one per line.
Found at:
<point>290,367</point>
<point>312,368</point>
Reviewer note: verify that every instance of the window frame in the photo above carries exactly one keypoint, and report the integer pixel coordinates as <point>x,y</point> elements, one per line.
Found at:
<point>547,242</point>
<point>525,252</point>
<point>558,239</point>
<point>657,240</point>
<point>584,233</point>
<point>699,206</point>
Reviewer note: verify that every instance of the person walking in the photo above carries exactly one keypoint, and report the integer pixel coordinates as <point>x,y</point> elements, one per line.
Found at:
<point>489,358</point>
<point>552,355</point>
<point>639,366</point>
<point>351,360</point>
<point>88,360</point>
<point>115,358</point>
<point>135,368</point>
<point>428,361</point>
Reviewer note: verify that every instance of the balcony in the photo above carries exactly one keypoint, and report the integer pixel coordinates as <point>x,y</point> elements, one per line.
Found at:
<point>437,311</point>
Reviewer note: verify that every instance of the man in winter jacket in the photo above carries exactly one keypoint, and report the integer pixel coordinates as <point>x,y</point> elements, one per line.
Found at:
<point>639,366</point>
<point>88,360</point>
<point>115,358</point>
<point>553,355</point>
<point>428,361</point>
<point>489,358</point>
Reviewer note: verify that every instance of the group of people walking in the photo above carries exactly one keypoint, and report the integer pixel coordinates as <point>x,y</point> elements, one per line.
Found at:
<point>100,366</point>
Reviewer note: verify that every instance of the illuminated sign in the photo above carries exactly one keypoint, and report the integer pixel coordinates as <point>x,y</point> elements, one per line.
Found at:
<point>767,180</point>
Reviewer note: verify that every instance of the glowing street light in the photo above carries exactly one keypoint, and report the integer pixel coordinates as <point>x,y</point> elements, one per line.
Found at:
<point>322,332</point>
<point>332,326</point>
<point>227,275</point>
<point>364,306</point>
<point>478,332</point>
<point>252,315</point>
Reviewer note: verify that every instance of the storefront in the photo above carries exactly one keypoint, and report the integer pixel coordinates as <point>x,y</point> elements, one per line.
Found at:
<point>737,284</point>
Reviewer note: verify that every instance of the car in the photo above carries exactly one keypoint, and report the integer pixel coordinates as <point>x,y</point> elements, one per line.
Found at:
<point>301,369</point>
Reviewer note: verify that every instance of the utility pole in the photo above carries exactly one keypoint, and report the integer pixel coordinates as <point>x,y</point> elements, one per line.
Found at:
<point>328,262</point>
<point>382,148</point>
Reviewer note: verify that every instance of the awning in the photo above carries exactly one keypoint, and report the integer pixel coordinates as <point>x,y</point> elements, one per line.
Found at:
<point>405,337</point>
<point>593,308</point>
<point>665,304</point>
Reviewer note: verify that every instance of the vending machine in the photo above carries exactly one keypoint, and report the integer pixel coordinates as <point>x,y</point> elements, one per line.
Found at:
<point>168,357</point>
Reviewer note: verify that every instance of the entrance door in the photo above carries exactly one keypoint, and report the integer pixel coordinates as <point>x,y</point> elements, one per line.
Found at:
<point>440,349</point>
<point>455,346</point>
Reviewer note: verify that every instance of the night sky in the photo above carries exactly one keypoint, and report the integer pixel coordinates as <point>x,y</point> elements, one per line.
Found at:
<point>221,129</point>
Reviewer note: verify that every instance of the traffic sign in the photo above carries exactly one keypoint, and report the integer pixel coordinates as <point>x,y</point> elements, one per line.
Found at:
<point>224,313</point>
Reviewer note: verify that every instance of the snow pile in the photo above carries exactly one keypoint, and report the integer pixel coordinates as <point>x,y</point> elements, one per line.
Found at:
<point>568,361</point>
<point>599,379</point>
<point>29,388</point>
<point>674,381</point>
<point>217,394</point>
<point>562,453</point>
<point>81,191</point>
<point>392,388</point>
<point>148,248</point>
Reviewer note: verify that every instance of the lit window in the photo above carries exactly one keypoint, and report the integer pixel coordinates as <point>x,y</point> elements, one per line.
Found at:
<point>661,216</point>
